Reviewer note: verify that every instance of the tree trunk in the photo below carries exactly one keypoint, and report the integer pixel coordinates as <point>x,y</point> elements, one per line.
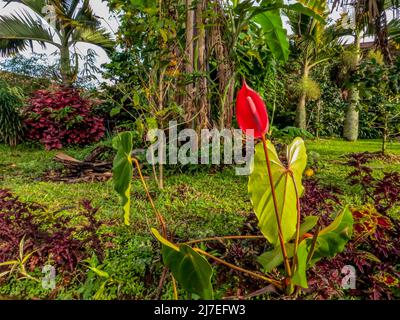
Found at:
<point>225,69</point>
<point>301,112</point>
<point>65,64</point>
<point>301,116</point>
<point>189,54</point>
<point>203,120</point>
<point>381,32</point>
<point>318,119</point>
<point>350,128</point>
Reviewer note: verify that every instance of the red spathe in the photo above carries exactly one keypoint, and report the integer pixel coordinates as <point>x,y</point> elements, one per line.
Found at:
<point>251,112</point>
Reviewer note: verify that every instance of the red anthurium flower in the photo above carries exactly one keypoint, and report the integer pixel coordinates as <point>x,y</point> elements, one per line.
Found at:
<point>251,112</point>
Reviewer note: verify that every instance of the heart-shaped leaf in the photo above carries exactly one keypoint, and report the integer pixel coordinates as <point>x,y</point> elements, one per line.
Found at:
<point>190,269</point>
<point>122,170</point>
<point>286,180</point>
<point>331,240</point>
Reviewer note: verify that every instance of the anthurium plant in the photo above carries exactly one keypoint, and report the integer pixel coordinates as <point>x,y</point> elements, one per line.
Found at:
<point>275,187</point>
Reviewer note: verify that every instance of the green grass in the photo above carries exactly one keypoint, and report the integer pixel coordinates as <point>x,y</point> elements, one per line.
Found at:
<point>195,205</point>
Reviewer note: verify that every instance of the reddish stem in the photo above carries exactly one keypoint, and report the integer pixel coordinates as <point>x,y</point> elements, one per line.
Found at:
<point>278,219</point>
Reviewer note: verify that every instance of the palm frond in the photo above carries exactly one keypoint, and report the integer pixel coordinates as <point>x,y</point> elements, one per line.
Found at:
<point>86,16</point>
<point>99,37</point>
<point>18,30</point>
<point>36,6</point>
<point>9,47</point>
<point>394,30</point>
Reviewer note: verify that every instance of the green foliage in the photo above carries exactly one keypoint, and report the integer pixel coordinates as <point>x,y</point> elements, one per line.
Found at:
<point>195,206</point>
<point>309,87</point>
<point>274,33</point>
<point>272,259</point>
<point>379,86</point>
<point>288,189</point>
<point>122,170</point>
<point>11,127</point>
<point>190,269</point>
<point>287,182</point>
<point>330,241</point>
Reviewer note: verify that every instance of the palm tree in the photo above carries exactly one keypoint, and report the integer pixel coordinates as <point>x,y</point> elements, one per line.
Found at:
<point>61,23</point>
<point>314,43</point>
<point>369,19</point>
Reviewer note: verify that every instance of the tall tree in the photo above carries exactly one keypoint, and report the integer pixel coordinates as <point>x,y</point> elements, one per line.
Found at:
<point>61,23</point>
<point>369,17</point>
<point>314,43</point>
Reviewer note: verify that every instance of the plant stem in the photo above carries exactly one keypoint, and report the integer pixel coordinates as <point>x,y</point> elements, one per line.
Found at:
<point>313,243</point>
<point>276,283</point>
<point>296,243</point>
<point>175,287</point>
<point>224,238</point>
<point>278,219</point>
<point>160,218</point>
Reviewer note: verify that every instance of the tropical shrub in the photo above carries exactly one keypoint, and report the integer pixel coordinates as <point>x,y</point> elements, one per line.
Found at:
<point>62,117</point>
<point>11,127</point>
<point>379,86</point>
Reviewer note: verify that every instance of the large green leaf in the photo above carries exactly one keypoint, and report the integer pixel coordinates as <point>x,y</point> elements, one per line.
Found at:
<point>308,9</point>
<point>273,258</point>
<point>274,33</point>
<point>285,188</point>
<point>300,277</point>
<point>190,269</point>
<point>308,224</point>
<point>331,240</point>
<point>122,170</point>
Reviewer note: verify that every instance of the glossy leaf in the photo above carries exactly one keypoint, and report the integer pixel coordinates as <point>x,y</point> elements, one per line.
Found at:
<point>260,191</point>
<point>274,258</point>
<point>332,239</point>
<point>308,224</point>
<point>122,170</point>
<point>190,269</point>
<point>330,242</point>
<point>299,277</point>
<point>251,112</point>
<point>274,33</point>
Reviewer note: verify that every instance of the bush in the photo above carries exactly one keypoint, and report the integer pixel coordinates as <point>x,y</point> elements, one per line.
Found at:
<point>11,129</point>
<point>62,117</point>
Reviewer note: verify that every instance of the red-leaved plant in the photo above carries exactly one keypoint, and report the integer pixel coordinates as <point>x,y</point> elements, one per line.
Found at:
<point>62,117</point>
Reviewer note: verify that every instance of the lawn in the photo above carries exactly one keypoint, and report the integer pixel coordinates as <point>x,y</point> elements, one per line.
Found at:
<point>195,205</point>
